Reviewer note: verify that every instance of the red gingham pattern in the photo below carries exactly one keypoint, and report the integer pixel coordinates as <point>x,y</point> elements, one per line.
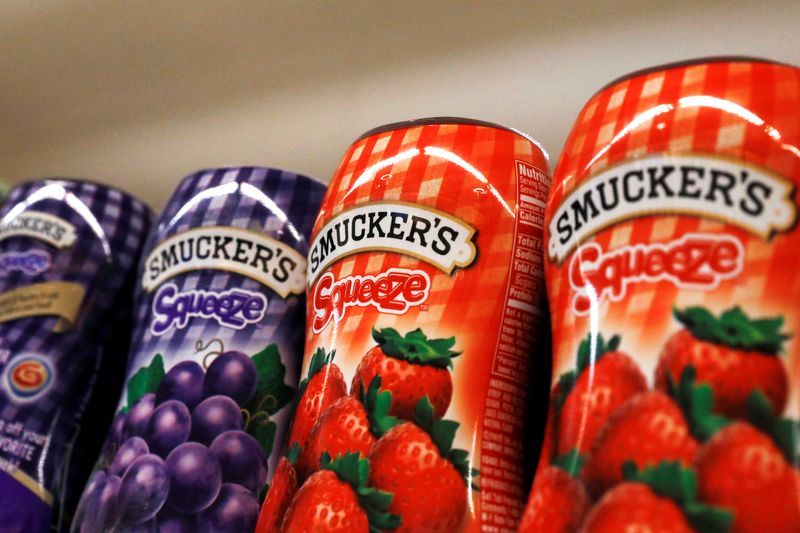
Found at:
<point>468,303</point>
<point>768,285</point>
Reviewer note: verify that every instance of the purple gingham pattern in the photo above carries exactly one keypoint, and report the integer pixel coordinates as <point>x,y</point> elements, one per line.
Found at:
<point>279,204</point>
<point>111,228</point>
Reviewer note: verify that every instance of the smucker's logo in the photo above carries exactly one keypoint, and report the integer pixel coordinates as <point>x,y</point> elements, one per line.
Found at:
<point>709,187</point>
<point>29,377</point>
<point>245,252</point>
<point>39,225</point>
<point>425,233</point>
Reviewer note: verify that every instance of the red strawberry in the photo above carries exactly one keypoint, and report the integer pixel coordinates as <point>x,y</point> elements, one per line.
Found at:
<point>337,498</point>
<point>588,397</point>
<point>635,507</point>
<point>411,367</point>
<point>558,502</point>
<point>744,470</point>
<point>280,494</point>
<point>430,480</point>
<point>349,425</point>
<point>323,386</point>
<point>733,353</point>
<point>658,500</point>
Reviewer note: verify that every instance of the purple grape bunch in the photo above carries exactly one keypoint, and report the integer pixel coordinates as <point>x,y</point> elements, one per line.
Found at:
<point>179,460</point>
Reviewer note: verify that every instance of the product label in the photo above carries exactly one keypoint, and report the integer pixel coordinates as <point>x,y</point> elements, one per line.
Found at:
<point>214,361</point>
<point>51,298</point>
<point>425,284</point>
<point>427,234</point>
<point>745,196</point>
<point>251,254</point>
<point>38,225</point>
<point>672,279</point>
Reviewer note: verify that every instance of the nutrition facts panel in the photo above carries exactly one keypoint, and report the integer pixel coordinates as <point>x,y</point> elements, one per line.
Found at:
<point>502,495</point>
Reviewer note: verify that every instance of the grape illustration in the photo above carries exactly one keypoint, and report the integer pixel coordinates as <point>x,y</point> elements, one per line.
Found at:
<point>95,482</point>
<point>234,510</point>
<point>144,490</point>
<point>116,429</point>
<point>138,416</point>
<point>130,450</point>
<point>233,374</point>
<point>145,527</point>
<point>172,522</point>
<point>168,427</point>
<point>242,460</point>
<point>184,382</point>
<point>100,511</point>
<point>194,477</point>
<point>215,415</point>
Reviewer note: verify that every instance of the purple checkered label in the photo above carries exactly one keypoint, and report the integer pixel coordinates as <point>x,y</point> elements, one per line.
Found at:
<point>215,361</point>
<point>68,257</point>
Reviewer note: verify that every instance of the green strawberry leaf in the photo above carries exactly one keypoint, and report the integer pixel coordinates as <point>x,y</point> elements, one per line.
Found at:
<point>785,432</point>
<point>377,404</point>
<point>442,433</point>
<point>697,403</point>
<point>572,462</point>
<point>590,351</point>
<point>734,329</point>
<point>353,469</point>
<point>145,380</point>
<point>292,453</point>
<point>263,430</point>
<point>318,360</point>
<point>670,479</point>
<point>416,348</point>
<point>272,394</point>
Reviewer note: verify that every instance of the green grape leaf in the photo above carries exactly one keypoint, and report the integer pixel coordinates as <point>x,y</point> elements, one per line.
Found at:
<point>145,380</point>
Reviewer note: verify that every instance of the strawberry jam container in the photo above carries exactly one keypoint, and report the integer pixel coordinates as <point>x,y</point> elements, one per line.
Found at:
<point>672,249</point>
<point>68,256</point>
<point>217,346</point>
<point>425,289</point>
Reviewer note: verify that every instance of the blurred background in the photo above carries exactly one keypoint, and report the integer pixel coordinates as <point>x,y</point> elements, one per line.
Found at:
<point>139,94</point>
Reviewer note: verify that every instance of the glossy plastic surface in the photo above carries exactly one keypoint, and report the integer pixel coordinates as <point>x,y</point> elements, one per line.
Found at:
<point>215,359</point>
<point>672,246</point>
<point>68,255</point>
<point>425,296</point>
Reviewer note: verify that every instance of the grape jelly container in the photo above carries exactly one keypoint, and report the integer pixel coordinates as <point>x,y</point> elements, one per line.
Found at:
<point>425,291</point>
<point>215,357</point>
<point>672,252</point>
<point>68,256</point>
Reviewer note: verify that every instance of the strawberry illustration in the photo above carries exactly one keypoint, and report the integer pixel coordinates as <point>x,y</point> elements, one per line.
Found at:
<point>337,498</point>
<point>412,366</point>
<point>661,499</point>
<point>416,462</point>
<point>747,468</point>
<point>648,429</point>
<point>558,501</point>
<point>587,398</point>
<point>348,425</point>
<point>323,385</point>
<point>733,353</point>
<point>280,493</point>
